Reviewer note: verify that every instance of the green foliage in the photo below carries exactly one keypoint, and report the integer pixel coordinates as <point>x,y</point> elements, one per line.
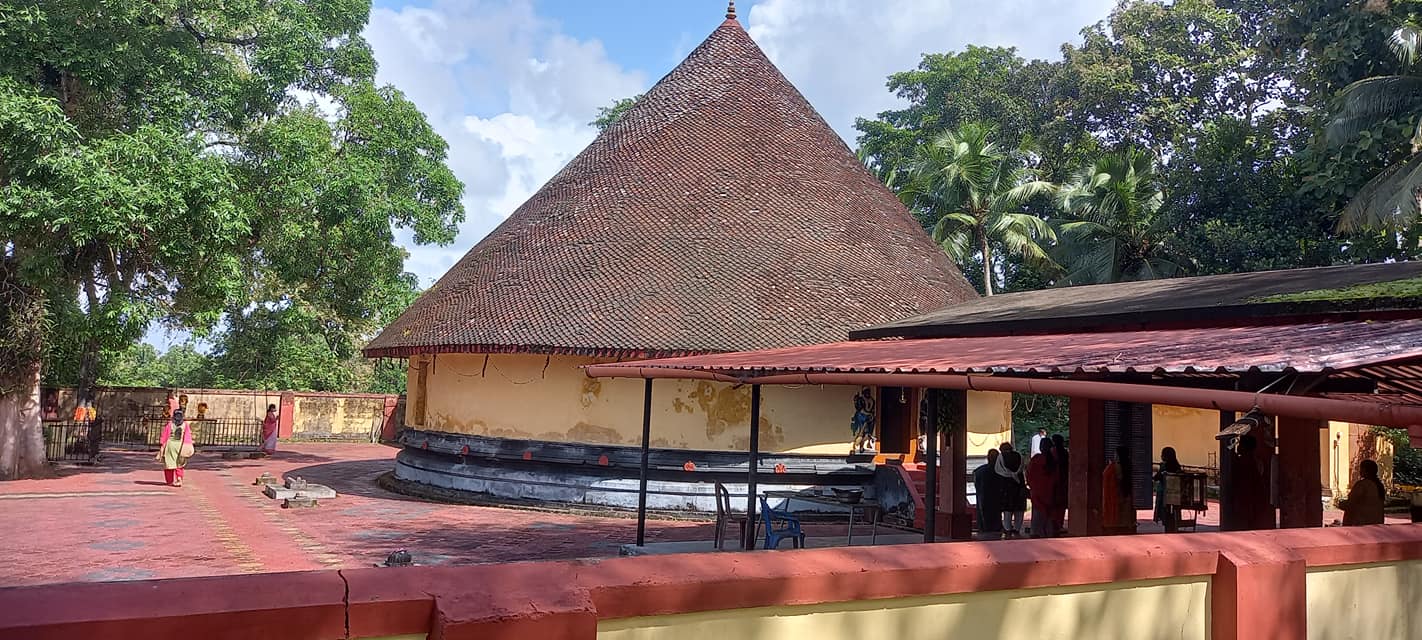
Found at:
<point>168,160</point>
<point>1031,411</point>
<point>611,113</point>
<point>140,365</point>
<point>1116,231</point>
<point>1406,461</point>
<point>972,193</point>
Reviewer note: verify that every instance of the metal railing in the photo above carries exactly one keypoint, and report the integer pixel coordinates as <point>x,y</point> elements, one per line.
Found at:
<point>69,441</point>
<point>224,432</point>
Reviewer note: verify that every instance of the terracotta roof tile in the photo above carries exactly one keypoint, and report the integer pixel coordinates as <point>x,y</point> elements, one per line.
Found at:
<point>719,213</point>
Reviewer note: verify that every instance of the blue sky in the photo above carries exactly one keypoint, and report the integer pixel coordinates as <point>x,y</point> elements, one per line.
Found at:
<point>512,84</point>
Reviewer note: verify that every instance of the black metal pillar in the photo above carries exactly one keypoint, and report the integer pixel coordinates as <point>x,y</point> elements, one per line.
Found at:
<point>642,471</point>
<point>930,458</point>
<point>749,542</point>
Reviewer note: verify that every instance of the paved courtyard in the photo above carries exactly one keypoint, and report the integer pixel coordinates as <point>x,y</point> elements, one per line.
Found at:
<point>119,522</point>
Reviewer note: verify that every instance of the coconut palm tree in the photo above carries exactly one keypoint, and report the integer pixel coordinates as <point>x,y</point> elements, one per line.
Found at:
<point>1393,198</point>
<point>973,193</point>
<point>1114,230</point>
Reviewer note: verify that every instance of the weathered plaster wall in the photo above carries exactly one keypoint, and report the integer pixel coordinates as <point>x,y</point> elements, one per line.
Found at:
<point>1174,608</point>
<point>989,421</point>
<point>1365,602</point>
<point>550,398</point>
<point>330,417</point>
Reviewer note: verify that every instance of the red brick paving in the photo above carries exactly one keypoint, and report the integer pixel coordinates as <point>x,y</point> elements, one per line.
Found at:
<point>119,522</point>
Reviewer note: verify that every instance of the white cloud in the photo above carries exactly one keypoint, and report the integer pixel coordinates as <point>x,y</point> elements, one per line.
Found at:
<point>839,53</point>
<point>507,90</point>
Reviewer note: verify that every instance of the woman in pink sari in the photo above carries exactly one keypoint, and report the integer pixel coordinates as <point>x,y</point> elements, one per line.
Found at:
<point>269,430</point>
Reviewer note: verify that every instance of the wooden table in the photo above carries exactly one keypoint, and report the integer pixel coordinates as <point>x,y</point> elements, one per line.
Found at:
<point>871,509</point>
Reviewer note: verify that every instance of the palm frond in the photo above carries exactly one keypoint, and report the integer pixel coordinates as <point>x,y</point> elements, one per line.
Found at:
<point>1388,201</point>
<point>1406,41</point>
<point>1370,101</point>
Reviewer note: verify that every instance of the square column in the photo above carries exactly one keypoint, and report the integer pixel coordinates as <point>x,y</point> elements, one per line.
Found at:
<point>954,518</point>
<point>1300,491</point>
<point>1088,462</point>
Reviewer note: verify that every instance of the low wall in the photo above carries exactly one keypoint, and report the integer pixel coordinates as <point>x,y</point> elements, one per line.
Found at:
<point>305,415</point>
<point>1314,583</point>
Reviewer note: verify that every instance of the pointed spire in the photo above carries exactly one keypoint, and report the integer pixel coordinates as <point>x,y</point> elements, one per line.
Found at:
<point>731,10</point>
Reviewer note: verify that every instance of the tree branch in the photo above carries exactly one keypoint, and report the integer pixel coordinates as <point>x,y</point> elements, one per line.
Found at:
<point>203,38</point>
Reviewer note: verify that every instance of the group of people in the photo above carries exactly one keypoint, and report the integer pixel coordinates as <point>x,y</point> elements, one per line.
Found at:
<point>1006,482</point>
<point>176,440</point>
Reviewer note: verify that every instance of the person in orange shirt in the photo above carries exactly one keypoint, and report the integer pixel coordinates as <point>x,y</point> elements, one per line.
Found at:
<point>80,414</point>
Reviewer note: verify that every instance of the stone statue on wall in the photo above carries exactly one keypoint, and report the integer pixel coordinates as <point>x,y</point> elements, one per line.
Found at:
<point>862,424</point>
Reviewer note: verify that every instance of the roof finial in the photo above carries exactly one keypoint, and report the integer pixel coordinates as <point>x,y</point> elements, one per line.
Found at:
<point>731,10</point>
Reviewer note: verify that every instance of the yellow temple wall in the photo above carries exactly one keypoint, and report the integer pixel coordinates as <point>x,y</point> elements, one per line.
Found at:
<point>550,398</point>
<point>1173,608</point>
<point>989,421</point>
<point>1382,600</point>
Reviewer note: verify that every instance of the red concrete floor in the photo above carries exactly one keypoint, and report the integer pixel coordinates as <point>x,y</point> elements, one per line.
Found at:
<point>118,521</point>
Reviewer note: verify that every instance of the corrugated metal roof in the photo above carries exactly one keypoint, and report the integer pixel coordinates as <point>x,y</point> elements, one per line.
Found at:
<point>1305,348</point>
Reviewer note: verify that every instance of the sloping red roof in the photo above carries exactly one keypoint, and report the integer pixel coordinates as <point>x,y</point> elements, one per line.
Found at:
<point>720,213</point>
<point>1314,347</point>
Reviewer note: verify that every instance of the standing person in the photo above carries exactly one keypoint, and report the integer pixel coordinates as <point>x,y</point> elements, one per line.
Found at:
<point>989,494</point>
<point>269,430</point>
<point>1063,493</point>
<point>1364,504</point>
<point>1164,514</point>
<point>1041,482</point>
<point>1036,447</point>
<point>1118,508</point>
<point>90,412</point>
<point>80,414</point>
<point>1014,490</point>
<point>176,448</point>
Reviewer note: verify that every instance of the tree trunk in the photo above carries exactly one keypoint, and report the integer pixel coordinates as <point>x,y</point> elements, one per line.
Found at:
<point>987,260</point>
<point>21,435</point>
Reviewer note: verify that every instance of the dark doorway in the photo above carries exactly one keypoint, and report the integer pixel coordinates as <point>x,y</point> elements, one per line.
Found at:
<point>897,434</point>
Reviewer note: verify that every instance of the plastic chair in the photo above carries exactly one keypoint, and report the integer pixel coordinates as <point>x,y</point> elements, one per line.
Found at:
<point>723,515</point>
<point>790,527</point>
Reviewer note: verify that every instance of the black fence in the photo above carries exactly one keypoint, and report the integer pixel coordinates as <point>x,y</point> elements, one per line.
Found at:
<point>144,432</point>
<point>70,441</point>
<point>79,441</point>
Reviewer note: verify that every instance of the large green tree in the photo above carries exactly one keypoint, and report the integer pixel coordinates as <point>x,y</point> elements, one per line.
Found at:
<point>198,161</point>
<point>973,193</point>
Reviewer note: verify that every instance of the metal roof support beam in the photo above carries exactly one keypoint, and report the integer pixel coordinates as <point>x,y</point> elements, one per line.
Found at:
<point>642,468</point>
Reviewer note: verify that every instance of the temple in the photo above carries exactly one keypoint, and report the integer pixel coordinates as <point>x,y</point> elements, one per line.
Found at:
<point>720,213</point>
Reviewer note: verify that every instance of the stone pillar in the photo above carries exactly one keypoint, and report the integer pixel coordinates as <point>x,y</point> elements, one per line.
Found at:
<point>1088,462</point>
<point>1300,494</point>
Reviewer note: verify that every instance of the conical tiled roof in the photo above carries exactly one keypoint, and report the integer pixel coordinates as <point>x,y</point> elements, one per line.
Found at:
<point>719,213</point>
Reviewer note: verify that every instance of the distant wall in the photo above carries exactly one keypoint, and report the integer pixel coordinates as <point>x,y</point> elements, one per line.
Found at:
<point>1360,582</point>
<point>313,415</point>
